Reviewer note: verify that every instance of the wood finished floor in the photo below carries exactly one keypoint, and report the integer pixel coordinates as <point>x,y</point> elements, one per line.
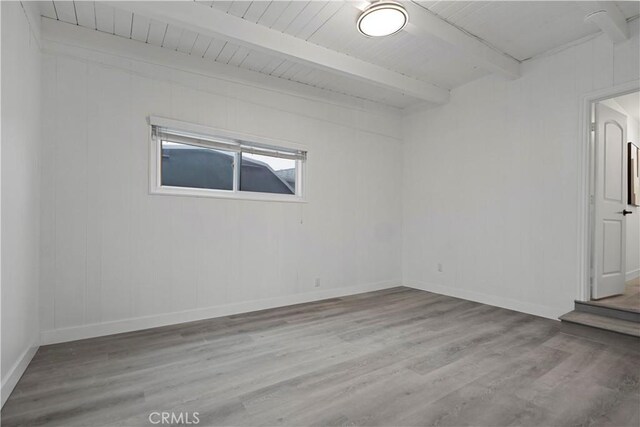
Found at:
<point>393,357</point>
<point>629,300</point>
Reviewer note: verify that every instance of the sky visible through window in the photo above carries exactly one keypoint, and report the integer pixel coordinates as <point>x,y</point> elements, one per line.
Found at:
<point>275,163</point>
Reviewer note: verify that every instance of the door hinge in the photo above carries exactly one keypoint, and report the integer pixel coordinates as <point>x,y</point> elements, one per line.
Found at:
<point>593,127</point>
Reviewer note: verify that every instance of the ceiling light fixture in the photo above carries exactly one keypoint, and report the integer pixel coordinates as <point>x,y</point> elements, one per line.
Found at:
<point>382,19</point>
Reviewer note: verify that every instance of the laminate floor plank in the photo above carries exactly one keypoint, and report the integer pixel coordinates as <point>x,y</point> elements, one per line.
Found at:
<point>394,357</point>
<point>629,300</point>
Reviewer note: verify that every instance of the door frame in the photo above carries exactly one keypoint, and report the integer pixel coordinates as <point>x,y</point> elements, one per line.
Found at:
<point>586,179</point>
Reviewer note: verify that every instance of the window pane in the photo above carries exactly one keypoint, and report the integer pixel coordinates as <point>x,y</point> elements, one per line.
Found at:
<point>191,166</point>
<point>267,174</point>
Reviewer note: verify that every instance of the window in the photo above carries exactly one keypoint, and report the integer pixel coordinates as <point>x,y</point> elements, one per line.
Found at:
<point>191,166</point>
<point>266,174</point>
<point>222,164</point>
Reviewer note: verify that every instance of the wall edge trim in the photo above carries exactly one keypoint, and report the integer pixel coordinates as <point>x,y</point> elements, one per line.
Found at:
<point>153,321</point>
<point>493,300</point>
<point>16,372</point>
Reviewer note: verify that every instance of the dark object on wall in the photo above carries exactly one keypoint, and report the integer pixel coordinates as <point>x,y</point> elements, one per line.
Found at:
<point>634,175</point>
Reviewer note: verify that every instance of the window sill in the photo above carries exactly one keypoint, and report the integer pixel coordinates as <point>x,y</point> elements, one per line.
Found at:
<point>225,194</point>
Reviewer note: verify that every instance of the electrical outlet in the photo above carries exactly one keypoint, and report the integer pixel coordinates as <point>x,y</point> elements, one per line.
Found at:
<point>317,282</point>
<point>440,267</point>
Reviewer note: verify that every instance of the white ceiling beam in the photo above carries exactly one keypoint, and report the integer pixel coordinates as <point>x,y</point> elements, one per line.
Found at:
<point>76,41</point>
<point>213,23</point>
<point>608,18</point>
<point>422,22</point>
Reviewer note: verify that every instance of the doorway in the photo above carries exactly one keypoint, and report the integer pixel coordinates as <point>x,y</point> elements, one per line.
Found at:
<point>615,202</point>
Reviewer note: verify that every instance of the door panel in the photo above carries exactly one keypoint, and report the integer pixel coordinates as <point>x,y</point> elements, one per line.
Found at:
<point>613,241</point>
<point>610,188</point>
<point>614,146</point>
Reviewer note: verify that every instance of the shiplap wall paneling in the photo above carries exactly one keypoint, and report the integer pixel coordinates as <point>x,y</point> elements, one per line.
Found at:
<point>71,130</point>
<point>502,231</point>
<point>157,255</point>
<point>21,169</point>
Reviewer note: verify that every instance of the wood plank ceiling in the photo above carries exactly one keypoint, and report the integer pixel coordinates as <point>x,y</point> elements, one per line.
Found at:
<point>519,29</point>
<point>523,29</point>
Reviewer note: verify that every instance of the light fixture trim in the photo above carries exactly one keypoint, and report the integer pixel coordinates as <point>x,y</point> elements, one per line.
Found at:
<point>383,7</point>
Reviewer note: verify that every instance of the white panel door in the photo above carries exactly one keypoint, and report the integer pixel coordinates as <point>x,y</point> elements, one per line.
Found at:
<point>610,202</point>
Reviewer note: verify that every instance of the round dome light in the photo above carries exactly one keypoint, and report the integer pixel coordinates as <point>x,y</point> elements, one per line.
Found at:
<point>382,19</point>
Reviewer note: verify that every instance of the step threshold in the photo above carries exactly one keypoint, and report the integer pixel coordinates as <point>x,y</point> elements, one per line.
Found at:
<point>620,326</point>
<point>603,304</point>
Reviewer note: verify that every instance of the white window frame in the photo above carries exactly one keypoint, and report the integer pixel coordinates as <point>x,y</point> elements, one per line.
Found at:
<point>155,164</point>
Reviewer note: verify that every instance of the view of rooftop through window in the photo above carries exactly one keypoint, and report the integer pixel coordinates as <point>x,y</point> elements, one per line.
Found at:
<point>193,166</point>
<point>257,165</point>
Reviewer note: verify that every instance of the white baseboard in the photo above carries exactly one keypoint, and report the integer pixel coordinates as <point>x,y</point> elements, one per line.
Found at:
<point>16,371</point>
<point>146,322</point>
<point>508,303</point>
<point>632,274</point>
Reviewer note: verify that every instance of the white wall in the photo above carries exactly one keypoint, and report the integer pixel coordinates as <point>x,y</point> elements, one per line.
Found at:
<point>633,221</point>
<point>20,191</point>
<point>115,258</point>
<point>489,191</point>
<point>491,181</point>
